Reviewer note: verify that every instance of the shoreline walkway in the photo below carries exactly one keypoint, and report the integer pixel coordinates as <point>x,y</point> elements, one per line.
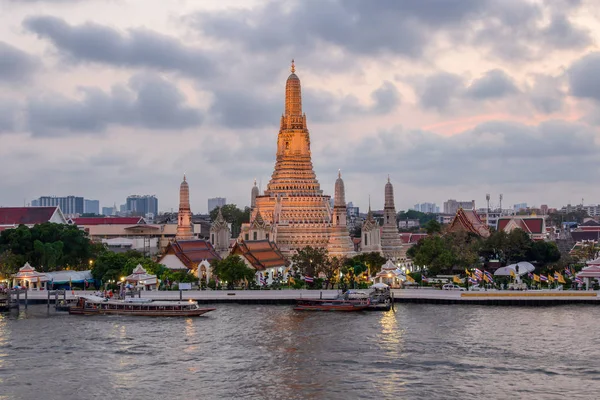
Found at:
<point>288,296</point>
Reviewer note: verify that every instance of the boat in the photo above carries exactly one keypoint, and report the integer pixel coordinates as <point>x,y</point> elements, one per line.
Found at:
<point>331,305</point>
<point>94,305</point>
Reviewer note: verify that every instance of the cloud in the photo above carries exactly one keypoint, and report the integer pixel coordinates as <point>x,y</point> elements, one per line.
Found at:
<point>547,94</point>
<point>495,83</point>
<point>137,48</point>
<point>8,115</point>
<point>439,89</point>
<point>583,76</point>
<point>149,101</point>
<point>16,66</point>
<point>494,152</point>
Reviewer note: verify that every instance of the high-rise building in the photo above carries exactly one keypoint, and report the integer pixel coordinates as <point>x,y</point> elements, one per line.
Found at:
<point>91,206</point>
<point>451,206</point>
<point>142,205</point>
<point>520,206</point>
<point>69,205</point>
<point>431,208</point>
<point>216,202</point>
<point>108,211</point>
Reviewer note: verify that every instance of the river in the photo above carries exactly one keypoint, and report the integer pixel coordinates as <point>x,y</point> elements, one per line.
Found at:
<point>272,352</point>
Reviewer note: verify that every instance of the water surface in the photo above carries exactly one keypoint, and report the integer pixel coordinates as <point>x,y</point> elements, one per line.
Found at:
<point>272,352</point>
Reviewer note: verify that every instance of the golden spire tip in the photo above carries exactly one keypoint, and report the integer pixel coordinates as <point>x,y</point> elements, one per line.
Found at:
<point>293,68</point>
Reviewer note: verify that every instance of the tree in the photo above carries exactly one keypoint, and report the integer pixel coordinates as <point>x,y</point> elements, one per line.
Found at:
<point>372,260</point>
<point>331,269</point>
<point>234,216</point>
<point>433,227</point>
<point>10,263</point>
<point>309,260</point>
<point>233,269</point>
<point>414,214</point>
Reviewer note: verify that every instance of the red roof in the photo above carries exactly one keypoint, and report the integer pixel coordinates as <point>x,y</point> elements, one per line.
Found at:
<point>192,252</point>
<point>408,237</point>
<point>108,220</point>
<point>468,220</point>
<point>529,225</point>
<point>26,215</point>
<point>261,254</point>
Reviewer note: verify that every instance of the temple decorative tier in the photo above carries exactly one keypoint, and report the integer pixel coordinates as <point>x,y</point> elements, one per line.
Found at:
<point>293,211</point>
<point>391,244</point>
<point>184,222</point>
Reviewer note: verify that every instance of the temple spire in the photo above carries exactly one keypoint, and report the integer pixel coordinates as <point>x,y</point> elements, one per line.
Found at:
<point>293,67</point>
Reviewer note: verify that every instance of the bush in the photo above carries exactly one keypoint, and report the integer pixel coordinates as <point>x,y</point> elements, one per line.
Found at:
<point>212,284</point>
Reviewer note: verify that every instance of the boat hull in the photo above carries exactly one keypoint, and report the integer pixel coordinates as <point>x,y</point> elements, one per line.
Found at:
<point>141,313</point>
<point>331,305</point>
<point>330,308</point>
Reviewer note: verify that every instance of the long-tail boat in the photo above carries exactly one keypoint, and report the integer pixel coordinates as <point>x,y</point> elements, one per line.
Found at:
<point>331,305</point>
<point>94,305</point>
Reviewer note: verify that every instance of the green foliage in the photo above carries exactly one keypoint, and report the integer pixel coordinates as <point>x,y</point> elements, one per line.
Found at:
<point>212,284</point>
<point>234,216</point>
<point>310,260</point>
<point>433,227</point>
<point>413,214</point>
<point>373,261</point>
<point>49,246</point>
<point>233,269</point>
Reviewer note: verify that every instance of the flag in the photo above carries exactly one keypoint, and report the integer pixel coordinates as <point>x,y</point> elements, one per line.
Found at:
<point>560,278</point>
<point>568,273</point>
<point>424,278</point>
<point>409,278</point>
<point>262,280</point>
<point>536,278</point>
<point>467,272</point>
<point>550,278</point>
<point>308,279</point>
<point>578,280</point>
<point>478,274</point>
<point>543,278</point>
<point>512,273</point>
<point>488,277</point>
<point>556,274</point>
<point>456,279</point>
<point>472,280</point>
<point>572,271</point>
<point>530,275</point>
<point>292,281</point>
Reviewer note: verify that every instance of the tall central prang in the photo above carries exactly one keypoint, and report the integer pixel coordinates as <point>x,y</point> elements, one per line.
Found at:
<point>293,212</point>
<point>293,174</point>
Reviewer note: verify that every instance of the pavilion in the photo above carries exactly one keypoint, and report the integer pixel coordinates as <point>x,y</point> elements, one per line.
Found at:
<point>29,278</point>
<point>391,274</point>
<point>591,272</point>
<point>141,278</point>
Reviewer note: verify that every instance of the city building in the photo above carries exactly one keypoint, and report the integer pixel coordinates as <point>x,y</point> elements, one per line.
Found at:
<point>108,211</point>
<point>520,206</point>
<point>91,206</point>
<point>69,205</point>
<point>218,202</point>
<point>452,206</point>
<point>408,224</point>
<point>293,210</point>
<point>353,215</point>
<point>445,219</point>
<point>145,206</point>
<point>430,208</point>
<point>490,217</point>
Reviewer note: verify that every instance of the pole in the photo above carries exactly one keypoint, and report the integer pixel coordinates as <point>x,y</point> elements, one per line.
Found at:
<point>48,298</point>
<point>180,295</point>
<point>26,299</point>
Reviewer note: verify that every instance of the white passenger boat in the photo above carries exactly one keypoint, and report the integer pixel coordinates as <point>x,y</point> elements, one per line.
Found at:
<point>93,305</point>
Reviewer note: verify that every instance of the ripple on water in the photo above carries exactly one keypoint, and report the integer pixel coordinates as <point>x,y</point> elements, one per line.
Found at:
<point>273,352</point>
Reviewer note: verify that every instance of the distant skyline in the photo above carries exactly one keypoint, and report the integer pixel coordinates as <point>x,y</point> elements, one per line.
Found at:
<point>453,99</point>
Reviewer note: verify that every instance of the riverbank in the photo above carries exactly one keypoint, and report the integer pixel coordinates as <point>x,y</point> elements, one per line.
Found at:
<point>492,297</point>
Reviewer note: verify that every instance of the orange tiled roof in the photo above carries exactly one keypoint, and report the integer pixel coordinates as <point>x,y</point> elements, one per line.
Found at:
<point>192,252</point>
<point>261,254</point>
<point>469,221</point>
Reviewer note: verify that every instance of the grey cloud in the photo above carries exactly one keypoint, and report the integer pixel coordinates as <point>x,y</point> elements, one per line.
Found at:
<point>8,116</point>
<point>547,94</point>
<point>16,66</point>
<point>137,48</point>
<point>438,90</point>
<point>563,34</point>
<point>584,78</point>
<point>495,83</point>
<point>386,98</point>
<point>150,102</point>
<point>491,153</point>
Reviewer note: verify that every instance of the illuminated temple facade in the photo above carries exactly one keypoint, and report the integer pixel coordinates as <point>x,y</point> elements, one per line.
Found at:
<point>293,211</point>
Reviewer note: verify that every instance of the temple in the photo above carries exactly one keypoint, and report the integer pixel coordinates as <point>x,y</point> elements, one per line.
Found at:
<point>468,221</point>
<point>184,222</point>
<point>391,244</point>
<point>293,212</point>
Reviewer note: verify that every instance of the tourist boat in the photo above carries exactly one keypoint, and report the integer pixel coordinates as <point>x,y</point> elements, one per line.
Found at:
<point>332,305</point>
<point>93,305</point>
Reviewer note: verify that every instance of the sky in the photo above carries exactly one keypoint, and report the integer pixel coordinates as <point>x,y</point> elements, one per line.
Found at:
<point>452,99</point>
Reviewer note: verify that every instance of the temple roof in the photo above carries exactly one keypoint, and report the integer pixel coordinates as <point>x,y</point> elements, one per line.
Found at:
<point>192,252</point>
<point>469,221</point>
<point>528,224</point>
<point>108,221</point>
<point>26,215</point>
<point>262,254</point>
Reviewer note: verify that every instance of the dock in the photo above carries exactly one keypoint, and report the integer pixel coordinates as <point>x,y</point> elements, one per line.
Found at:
<point>283,297</point>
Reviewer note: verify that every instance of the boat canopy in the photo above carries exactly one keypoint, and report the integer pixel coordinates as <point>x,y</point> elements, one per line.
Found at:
<point>524,268</point>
